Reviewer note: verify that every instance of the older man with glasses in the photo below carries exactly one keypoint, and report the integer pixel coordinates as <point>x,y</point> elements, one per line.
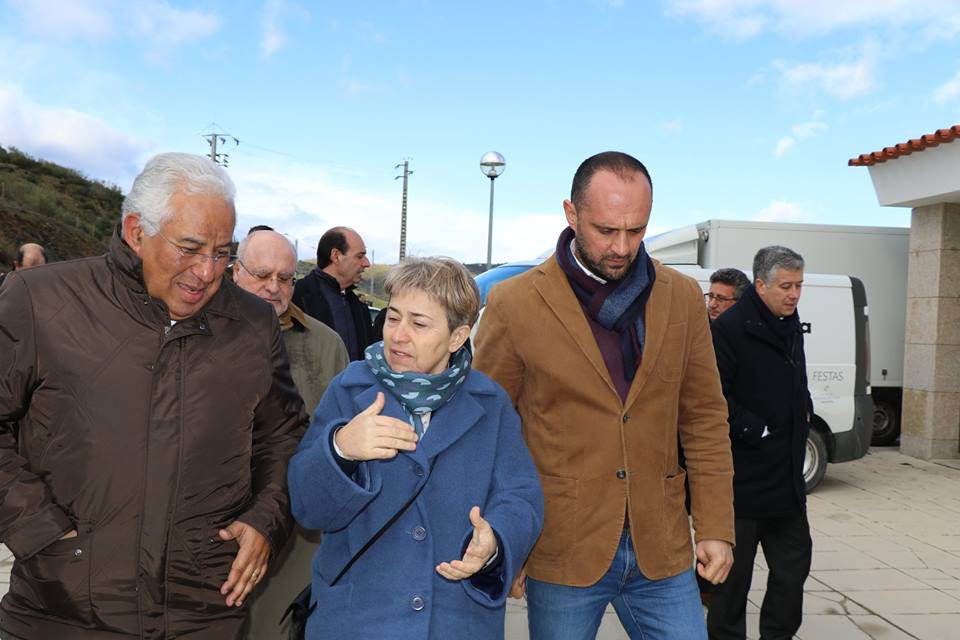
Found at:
<point>144,493</point>
<point>266,266</point>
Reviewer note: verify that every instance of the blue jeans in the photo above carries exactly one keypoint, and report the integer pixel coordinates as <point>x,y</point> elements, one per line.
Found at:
<point>667,609</point>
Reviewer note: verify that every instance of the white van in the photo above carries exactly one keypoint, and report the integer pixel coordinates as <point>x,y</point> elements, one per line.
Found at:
<point>833,314</point>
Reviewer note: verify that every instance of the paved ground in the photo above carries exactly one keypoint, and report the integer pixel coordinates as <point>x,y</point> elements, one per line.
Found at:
<point>886,561</point>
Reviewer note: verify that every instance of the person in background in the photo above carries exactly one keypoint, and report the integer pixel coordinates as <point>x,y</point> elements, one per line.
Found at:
<point>266,266</point>
<point>726,287</point>
<point>29,255</point>
<point>607,356</point>
<point>415,440</point>
<point>328,292</point>
<point>759,347</point>
<point>144,494</point>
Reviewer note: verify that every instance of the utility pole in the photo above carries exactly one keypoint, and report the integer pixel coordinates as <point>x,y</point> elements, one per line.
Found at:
<point>212,139</point>
<point>403,209</point>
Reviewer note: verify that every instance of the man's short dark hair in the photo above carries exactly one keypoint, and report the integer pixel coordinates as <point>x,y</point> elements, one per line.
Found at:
<point>20,252</point>
<point>774,257</point>
<point>731,277</point>
<point>335,238</point>
<point>616,162</point>
<point>260,227</point>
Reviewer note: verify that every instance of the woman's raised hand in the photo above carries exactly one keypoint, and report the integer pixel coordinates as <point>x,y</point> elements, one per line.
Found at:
<point>482,546</point>
<point>371,436</point>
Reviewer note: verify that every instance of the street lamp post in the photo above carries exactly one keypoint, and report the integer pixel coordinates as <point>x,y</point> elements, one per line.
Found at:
<point>492,165</point>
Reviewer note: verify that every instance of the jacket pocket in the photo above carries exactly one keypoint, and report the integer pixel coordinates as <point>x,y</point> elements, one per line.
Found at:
<point>56,580</point>
<point>674,545</point>
<point>559,517</point>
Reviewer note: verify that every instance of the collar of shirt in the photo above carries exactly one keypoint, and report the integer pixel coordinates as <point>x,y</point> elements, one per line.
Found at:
<point>583,268</point>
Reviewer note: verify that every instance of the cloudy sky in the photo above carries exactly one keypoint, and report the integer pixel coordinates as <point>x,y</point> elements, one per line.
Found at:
<point>742,109</point>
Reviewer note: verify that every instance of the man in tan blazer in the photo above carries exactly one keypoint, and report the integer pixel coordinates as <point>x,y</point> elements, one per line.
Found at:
<point>608,358</point>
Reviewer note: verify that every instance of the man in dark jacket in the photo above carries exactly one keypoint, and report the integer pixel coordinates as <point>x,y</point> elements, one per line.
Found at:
<point>327,292</point>
<point>145,490</point>
<point>759,347</point>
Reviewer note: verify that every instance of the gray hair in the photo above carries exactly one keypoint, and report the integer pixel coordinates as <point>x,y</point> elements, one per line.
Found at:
<point>242,247</point>
<point>444,280</point>
<point>769,259</point>
<point>731,277</point>
<point>164,175</point>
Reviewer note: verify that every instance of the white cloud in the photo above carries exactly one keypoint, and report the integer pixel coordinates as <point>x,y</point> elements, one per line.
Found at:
<point>748,18</point>
<point>273,36</point>
<point>842,80</point>
<point>66,18</point>
<point>305,200</point>
<point>69,137</point>
<point>783,211</point>
<point>156,24</point>
<point>784,145</point>
<point>273,18</point>
<point>804,130</point>
<point>801,131</point>
<point>673,127</point>
<point>164,25</point>
<point>610,4</point>
<point>948,91</point>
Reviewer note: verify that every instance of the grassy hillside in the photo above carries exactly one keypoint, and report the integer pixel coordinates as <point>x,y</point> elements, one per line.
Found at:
<point>69,214</point>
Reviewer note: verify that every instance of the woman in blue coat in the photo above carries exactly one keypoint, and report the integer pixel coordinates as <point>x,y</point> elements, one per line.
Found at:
<point>419,459</point>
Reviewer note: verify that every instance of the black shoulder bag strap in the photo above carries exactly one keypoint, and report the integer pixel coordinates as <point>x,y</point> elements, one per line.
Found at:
<point>300,609</point>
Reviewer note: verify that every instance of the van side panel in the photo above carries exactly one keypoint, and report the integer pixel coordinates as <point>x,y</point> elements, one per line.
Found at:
<point>853,444</point>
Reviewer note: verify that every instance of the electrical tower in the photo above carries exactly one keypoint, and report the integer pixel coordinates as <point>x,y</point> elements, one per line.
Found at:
<point>213,139</point>
<point>403,209</point>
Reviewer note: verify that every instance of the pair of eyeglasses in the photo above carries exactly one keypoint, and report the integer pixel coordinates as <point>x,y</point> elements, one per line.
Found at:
<point>712,297</point>
<point>220,259</point>
<point>284,277</point>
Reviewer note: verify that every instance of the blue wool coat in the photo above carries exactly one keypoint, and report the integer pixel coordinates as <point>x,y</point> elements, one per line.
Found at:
<point>472,454</point>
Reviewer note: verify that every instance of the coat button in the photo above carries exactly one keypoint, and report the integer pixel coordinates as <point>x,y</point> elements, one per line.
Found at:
<point>417,603</point>
<point>77,553</point>
<point>621,474</point>
<point>419,533</point>
<point>417,470</point>
<point>626,419</point>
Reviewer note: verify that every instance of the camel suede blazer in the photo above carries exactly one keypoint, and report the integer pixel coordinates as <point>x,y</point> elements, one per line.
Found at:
<point>599,458</point>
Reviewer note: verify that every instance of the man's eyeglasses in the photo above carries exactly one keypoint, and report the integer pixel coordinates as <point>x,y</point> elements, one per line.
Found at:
<point>285,277</point>
<point>712,297</point>
<point>220,259</point>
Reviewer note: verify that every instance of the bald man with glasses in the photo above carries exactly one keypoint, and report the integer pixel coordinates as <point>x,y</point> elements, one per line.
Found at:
<point>266,266</point>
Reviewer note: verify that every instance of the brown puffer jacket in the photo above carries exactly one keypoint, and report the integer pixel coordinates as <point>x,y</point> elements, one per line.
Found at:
<point>144,437</point>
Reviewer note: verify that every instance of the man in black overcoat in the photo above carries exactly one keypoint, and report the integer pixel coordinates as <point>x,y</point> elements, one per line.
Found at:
<point>759,347</point>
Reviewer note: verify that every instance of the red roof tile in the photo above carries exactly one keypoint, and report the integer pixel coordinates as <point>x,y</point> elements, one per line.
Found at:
<point>906,148</point>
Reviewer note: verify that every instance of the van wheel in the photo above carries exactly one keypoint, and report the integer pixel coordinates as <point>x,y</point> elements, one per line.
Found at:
<point>815,462</point>
<point>886,422</point>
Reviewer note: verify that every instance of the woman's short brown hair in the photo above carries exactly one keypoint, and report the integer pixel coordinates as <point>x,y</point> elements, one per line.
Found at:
<point>443,279</point>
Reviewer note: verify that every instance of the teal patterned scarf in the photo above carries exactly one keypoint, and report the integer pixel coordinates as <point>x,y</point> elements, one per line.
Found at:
<point>419,393</point>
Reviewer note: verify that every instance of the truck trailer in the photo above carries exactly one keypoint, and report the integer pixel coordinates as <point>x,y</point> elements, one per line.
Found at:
<point>877,256</point>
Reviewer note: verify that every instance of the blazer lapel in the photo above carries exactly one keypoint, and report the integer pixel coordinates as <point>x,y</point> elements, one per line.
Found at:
<point>656,317</point>
<point>447,425</point>
<point>556,292</point>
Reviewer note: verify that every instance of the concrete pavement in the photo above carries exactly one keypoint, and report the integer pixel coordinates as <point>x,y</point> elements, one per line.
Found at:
<point>886,560</point>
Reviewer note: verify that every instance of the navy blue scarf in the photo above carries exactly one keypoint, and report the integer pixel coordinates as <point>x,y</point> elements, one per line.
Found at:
<point>419,393</point>
<point>616,306</point>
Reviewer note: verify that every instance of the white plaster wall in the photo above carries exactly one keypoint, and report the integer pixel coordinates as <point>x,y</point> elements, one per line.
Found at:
<point>921,178</point>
